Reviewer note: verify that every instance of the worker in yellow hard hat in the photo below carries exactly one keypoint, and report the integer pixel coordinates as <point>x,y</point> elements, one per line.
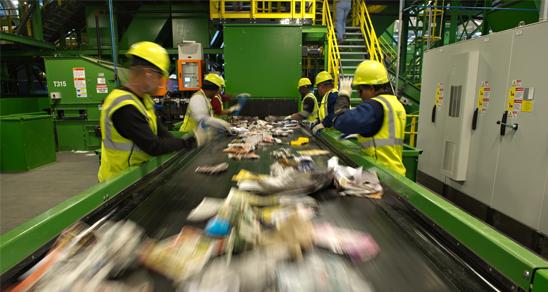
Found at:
<point>379,120</point>
<point>200,111</point>
<point>328,92</point>
<point>309,104</point>
<point>130,130</point>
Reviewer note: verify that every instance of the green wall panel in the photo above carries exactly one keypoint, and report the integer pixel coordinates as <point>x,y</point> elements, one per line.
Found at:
<point>263,60</point>
<point>506,19</point>
<point>190,22</point>
<point>145,25</point>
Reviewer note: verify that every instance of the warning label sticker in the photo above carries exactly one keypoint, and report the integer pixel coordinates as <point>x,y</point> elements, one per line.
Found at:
<point>439,94</point>
<point>484,96</point>
<point>79,76</point>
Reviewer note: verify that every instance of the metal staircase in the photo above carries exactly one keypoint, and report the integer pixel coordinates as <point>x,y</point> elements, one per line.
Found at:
<point>62,17</point>
<point>352,50</point>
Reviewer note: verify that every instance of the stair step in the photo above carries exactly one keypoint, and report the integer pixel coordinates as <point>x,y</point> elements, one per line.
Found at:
<point>353,40</point>
<point>352,27</point>
<point>353,53</point>
<point>351,46</point>
<point>351,60</point>
<point>352,33</point>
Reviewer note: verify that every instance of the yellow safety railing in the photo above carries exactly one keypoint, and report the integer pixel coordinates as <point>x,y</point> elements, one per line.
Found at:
<point>333,53</point>
<point>412,125</point>
<point>262,9</point>
<point>362,19</point>
<point>433,20</point>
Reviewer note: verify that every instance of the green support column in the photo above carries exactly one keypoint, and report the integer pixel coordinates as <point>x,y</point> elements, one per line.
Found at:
<point>453,27</point>
<point>485,26</point>
<point>403,44</point>
<point>36,20</point>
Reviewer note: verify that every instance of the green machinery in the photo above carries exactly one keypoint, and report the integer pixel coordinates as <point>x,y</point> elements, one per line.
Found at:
<point>447,236</point>
<point>77,87</point>
<point>27,141</point>
<point>265,61</point>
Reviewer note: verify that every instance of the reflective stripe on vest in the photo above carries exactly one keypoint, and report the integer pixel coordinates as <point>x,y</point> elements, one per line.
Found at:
<point>391,140</point>
<point>314,114</point>
<point>189,124</point>
<point>386,146</point>
<point>323,106</point>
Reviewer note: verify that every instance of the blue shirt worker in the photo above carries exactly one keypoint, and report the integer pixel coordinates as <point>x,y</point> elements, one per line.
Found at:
<point>379,120</point>
<point>326,112</point>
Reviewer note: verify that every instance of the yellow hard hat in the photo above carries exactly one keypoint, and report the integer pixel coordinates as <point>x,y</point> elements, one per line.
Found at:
<point>153,53</point>
<point>304,82</point>
<point>215,79</point>
<point>370,72</point>
<point>322,77</point>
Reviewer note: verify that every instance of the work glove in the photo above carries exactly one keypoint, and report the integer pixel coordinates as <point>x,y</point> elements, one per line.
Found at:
<point>345,86</point>
<point>342,103</point>
<point>316,129</point>
<point>234,108</point>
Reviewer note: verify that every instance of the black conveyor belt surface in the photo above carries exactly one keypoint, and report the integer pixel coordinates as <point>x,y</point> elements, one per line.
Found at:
<point>409,260</point>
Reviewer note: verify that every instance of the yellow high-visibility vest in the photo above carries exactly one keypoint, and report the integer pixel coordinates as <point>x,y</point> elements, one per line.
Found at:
<point>314,115</point>
<point>387,145</point>
<point>323,106</point>
<point>117,152</point>
<point>189,124</point>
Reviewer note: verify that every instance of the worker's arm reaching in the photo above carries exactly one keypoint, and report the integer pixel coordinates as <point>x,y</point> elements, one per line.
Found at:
<point>200,113</point>
<point>307,110</point>
<point>366,119</point>
<point>132,125</point>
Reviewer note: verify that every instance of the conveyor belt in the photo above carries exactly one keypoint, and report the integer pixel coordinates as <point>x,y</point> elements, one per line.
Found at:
<point>410,259</point>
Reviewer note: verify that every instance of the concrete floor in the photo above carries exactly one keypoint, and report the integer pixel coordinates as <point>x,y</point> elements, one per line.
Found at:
<point>26,195</point>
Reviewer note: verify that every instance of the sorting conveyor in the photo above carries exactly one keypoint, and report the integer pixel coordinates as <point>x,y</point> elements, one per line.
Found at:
<point>417,254</point>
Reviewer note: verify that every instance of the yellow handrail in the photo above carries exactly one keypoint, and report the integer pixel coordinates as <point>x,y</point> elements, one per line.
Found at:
<point>388,48</point>
<point>368,31</point>
<point>262,9</point>
<point>333,53</point>
<point>412,129</point>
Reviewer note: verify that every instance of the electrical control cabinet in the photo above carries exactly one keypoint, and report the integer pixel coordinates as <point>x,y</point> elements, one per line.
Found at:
<point>496,121</point>
<point>189,66</point>
<point>523,159</point>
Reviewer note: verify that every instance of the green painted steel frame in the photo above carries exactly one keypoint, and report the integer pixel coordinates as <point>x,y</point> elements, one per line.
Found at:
<point>22,241</point>
<point>4,36</point>
<point>500,252</point>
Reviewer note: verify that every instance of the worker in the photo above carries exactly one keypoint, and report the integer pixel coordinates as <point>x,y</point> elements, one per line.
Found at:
<point>218,108</point>
<point>379,120</point>
<point>200,111</point>
<point>309,104</point>
<point>130,130</point>
<point>326,89</point>
<point>341,12</point>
